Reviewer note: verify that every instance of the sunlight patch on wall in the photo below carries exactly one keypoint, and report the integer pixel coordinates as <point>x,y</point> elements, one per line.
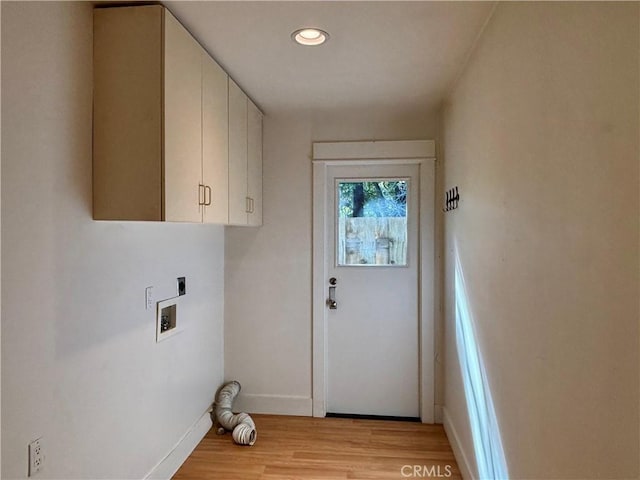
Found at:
<point>482,417</point>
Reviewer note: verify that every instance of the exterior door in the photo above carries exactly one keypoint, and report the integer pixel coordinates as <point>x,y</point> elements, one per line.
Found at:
<point>373,290</point>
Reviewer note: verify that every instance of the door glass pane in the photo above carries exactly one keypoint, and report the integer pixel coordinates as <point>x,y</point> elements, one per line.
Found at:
<point>372,222</point>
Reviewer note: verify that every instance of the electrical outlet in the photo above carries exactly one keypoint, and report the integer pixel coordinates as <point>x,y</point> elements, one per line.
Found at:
<point>36,457</point>
<point>182,286</point>
<point>148,296</point>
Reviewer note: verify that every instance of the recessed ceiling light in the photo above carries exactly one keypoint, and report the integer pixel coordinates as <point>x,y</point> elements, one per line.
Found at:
<point>310,36</point>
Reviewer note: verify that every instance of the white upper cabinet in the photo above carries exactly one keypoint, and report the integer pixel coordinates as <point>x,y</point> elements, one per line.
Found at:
<point>254,162</point>
<point>238,200</point>
<point>170,127</point>
<point>245,159</point>
<point>128,148</point>
<point>182,124</point>
<point>215,141</point>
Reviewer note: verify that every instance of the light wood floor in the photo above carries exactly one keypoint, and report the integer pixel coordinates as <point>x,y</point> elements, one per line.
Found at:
<point>300,448</point>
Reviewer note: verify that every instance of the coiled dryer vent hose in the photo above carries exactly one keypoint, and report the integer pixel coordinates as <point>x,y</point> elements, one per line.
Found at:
<point>241,424</point>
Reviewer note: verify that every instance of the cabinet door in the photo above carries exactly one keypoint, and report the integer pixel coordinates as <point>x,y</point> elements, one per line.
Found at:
<point>215,141</point>
<point>182,163</point>
<point>238,203</point>
<point>254,153</point>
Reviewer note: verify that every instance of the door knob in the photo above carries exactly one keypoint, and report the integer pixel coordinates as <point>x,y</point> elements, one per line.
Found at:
<point>331,301</point>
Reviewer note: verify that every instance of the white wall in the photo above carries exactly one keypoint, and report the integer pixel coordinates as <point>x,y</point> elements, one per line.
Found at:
<point>80,366</point>
<point>541,136</point>
<point>268,269</point>
<point>0,255</point>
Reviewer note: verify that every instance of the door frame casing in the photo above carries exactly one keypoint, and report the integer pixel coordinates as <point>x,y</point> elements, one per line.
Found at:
<point>410,152</point>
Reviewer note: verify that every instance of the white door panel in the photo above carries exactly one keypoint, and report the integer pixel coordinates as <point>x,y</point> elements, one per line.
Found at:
<point>373,334</point>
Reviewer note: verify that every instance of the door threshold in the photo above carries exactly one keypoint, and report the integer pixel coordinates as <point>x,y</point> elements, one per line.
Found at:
<point>356,416</point>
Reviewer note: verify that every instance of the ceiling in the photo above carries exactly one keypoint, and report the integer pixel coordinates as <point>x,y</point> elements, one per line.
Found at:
<point>381,54</point>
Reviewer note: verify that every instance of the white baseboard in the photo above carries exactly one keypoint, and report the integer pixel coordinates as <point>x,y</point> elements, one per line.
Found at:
<point>458,451</point>
<point>273,404</point>
<point>170,464</point>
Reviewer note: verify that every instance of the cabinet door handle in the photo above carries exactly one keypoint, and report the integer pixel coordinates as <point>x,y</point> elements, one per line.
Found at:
<point>252,205</point>
<point>201,194</point>
<point>207,188</point>
<point>247,205</point>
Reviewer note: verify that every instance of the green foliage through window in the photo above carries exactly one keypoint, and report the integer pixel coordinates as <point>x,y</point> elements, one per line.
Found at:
<point>373,199</point>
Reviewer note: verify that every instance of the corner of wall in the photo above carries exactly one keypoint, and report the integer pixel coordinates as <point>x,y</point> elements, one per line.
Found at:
<point>456,445</point>
<point>169,465</point>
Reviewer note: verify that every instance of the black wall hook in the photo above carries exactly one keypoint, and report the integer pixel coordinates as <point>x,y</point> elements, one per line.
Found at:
<point>452,198</point>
